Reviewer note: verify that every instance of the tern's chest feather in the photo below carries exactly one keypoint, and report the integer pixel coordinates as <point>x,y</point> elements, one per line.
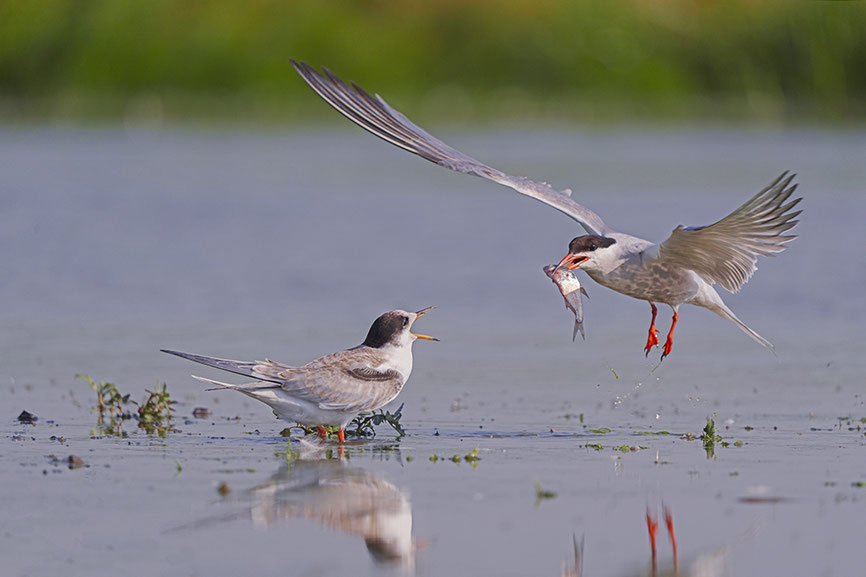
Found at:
<point>398,359</point>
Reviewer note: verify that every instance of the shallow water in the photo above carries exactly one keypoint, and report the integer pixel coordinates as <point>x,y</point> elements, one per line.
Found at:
<point>244,245</point>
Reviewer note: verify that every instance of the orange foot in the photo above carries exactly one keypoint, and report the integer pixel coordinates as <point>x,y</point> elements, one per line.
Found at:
<point>323,432</point>
<point>341,434</point>
<point>669,342</point>
<point>653,337</point>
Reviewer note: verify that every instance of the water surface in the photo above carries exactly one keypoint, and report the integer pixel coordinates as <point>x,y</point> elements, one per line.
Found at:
<point>245,245</point>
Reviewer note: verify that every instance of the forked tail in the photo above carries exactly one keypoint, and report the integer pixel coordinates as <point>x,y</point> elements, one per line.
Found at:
<point>247,388</point>
<point>726,313</point>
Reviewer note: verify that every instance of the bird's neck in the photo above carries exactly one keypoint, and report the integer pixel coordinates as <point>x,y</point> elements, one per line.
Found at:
<point>398,358</point>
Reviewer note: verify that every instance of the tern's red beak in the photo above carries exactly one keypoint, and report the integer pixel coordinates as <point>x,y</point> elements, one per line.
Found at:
<point>571,262</point>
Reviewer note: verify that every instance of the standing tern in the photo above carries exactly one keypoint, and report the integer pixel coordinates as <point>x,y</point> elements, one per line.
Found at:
<point>333,389</point>
<point>680,270</point>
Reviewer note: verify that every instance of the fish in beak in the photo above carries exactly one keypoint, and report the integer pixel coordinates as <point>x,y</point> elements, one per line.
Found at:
<point>571,262</point>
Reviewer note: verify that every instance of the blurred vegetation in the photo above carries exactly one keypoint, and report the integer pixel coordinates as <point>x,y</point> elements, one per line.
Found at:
<point>762,60</point>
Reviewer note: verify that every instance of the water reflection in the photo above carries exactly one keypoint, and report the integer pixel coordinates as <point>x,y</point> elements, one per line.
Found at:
<point>344,498</point>
<point>711,563</point>
<point>313,485</point>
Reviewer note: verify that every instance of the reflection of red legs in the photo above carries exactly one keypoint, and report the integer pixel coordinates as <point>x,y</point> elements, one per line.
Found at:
<point>652,525</point>
<point>342,435</point>
<point>669,521</point>
<point>669,342</point>
<point>653,339</point>
<point>323,432</point>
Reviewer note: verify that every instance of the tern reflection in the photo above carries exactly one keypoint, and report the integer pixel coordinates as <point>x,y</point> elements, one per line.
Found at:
<point>347,499</point>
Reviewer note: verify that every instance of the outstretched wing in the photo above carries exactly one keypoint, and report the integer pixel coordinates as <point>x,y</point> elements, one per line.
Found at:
<point>376,116</point>
<point>726,252</point>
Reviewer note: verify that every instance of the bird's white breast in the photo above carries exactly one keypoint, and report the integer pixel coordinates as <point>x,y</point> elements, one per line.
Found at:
<point>398,358</point>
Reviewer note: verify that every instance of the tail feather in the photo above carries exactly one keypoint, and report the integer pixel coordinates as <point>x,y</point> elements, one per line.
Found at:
<point>245,388</point>
<point>726,313</point>
<point>245,368</point>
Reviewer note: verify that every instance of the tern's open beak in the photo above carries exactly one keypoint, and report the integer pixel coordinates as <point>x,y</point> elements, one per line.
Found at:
<point>420,314</point>
<point>571,262</point>
<point>425,337</point>
<point>423,312</point>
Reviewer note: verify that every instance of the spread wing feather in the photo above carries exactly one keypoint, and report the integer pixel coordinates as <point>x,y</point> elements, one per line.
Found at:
<point>374,115</point>
<point>726,252</point>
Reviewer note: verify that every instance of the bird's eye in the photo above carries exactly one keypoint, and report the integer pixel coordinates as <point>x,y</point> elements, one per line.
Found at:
<point>405,321</point>
<point>593,246</point>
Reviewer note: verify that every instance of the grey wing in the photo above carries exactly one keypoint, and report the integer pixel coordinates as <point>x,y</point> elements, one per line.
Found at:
<point>350,388</point>
<point>377,117</point>
<point>726,252</point>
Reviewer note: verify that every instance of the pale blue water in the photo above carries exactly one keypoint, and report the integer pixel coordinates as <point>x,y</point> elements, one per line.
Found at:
<point>118,243</point>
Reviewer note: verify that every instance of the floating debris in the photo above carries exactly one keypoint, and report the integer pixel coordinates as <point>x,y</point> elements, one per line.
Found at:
<point>26,417</point>
<point>75,462</point>
<point>760,499</point>
<point>223,489</point>
<point>629,448</point>
<point>201,413</point>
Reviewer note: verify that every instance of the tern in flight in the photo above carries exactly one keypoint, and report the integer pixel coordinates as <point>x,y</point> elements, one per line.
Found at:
<point>680,270</point>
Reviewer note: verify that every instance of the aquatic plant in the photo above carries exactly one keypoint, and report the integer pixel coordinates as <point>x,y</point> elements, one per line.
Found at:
<point>709,438</point>
<point>472,457</point>
<point>154,415</point>
<point>542,494</point>
<point>108,398</point>
<point>364,424</point>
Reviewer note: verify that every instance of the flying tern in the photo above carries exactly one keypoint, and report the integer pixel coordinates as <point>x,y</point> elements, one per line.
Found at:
<point>680,270</point>
<point>333,389</point>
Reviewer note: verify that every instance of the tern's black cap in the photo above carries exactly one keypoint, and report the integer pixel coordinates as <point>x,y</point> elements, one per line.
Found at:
<point>589,242</point>
<point>386,328</point>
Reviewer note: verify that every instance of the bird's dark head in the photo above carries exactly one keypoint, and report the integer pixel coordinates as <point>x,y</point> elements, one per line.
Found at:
<point>393,328</point>
<point>583,250</point>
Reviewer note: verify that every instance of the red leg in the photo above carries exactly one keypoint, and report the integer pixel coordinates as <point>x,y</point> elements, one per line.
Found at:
<point>323,432</point>
<point>653,338</point>
<point>652,525</point>
<point>669,342</point>
<point>669,521</point>
<point>341,434</point>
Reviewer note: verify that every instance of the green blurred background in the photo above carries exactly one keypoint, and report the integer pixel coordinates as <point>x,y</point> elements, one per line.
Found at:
<point>750,61</point>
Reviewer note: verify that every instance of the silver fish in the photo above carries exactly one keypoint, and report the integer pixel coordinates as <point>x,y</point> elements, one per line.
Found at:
<point>570,287</point>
